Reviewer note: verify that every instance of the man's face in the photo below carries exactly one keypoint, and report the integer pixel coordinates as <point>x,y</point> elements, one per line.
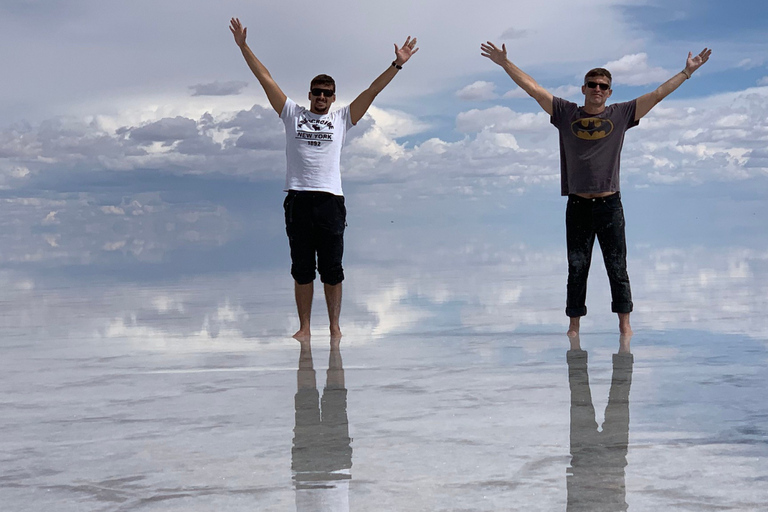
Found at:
<point>321,97</point>
<point>597,90</point>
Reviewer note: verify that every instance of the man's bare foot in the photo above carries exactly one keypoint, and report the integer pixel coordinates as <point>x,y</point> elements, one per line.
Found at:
<point>573,328</point>
<point>624,327</point>
<point>302,335</point>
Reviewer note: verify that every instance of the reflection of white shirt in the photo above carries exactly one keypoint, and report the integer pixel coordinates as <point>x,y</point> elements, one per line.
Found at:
<point>313,148</point>
<point>326,497</point>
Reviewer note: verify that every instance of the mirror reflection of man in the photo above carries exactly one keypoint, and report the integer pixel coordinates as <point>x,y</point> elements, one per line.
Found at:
<point>315,214</point>
<point>591,138</point>
<point>321,457</point>
<point>595,479</point>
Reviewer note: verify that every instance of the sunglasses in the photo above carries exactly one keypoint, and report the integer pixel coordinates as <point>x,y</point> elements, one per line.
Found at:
<point>603,87</point>
<point>316,91</point>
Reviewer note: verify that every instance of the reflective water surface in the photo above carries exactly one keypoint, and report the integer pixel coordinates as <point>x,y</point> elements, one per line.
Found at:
<point>173,384</point>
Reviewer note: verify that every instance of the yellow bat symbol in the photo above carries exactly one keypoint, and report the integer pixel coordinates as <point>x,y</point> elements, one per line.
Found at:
<point>592,128</point>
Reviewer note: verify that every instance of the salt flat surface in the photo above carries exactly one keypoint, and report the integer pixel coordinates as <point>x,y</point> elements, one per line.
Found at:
<point>170,398</point>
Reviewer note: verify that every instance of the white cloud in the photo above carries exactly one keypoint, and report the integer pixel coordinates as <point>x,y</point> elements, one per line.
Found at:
<point>746,64</point>
<point>763,81</point>
<point>563,91</point>
<point>219,88</point>
<point>114,246</point>
<point>501,119</point>
<point>477,91</point>
<point>51,219</point>
<point>567,91</point>
<point>515,93</point>
<point>720,137</point>
<point>113,210</point>
<point>635,70</point>
<point>396,123</point>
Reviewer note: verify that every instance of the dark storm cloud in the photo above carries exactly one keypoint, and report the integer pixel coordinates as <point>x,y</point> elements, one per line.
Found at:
<point>166,130</point>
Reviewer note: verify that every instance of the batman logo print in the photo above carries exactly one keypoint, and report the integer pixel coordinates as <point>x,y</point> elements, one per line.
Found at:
<point>592,128</point>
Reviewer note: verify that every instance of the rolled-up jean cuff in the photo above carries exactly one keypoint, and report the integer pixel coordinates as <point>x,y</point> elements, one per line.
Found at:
<point>574,312</point>
<point>332,279</point>
<point>303,277</point>
<point>621,307</point>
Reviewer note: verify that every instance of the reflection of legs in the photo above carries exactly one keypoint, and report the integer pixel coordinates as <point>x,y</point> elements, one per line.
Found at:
<point>616,425</point>
<point>596,476</point>
<point>615,434</point>
<point>307,418</point>
<point>335,375</point>
<point>580,239</point>
<point>584,434</point>
<point>613,244</point>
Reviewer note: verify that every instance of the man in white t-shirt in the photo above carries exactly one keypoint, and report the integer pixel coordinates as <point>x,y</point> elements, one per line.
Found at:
<point>315,215</point>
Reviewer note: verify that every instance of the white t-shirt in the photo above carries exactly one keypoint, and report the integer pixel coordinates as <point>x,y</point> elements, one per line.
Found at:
<point>313,148</point>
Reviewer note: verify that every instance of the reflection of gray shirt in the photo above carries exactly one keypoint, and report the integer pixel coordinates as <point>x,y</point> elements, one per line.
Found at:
<point>590,145</point>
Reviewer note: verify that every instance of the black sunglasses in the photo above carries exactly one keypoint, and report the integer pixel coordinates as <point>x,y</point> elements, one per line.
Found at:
<point>316,91</point>
<point>603,87</point>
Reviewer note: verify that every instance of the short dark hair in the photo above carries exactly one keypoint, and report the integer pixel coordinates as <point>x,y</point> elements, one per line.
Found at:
<point>598,72</point>
<point>323,80</point>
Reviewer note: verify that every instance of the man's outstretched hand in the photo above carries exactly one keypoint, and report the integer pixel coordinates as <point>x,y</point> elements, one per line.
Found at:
<point>238,30</point>
<point>497,55</point>
<point>405,52</point>
<point>694,63</point>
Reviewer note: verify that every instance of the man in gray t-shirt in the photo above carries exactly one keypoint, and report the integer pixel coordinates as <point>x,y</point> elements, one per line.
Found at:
<point>591,138</point>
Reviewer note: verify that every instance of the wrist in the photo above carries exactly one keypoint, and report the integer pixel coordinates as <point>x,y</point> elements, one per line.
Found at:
<point>686,73</point>
<point>397,65</point>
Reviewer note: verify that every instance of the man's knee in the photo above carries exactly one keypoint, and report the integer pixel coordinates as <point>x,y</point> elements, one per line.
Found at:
<point>332,276</point>
<point>302,276</point>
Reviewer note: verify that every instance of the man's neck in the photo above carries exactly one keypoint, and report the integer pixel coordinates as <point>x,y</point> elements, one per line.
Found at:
<point>318,113</point>
<point>594,109</point>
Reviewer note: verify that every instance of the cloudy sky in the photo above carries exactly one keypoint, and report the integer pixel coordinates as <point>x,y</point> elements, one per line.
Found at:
<point>113,87</point>
<point>135,142</point>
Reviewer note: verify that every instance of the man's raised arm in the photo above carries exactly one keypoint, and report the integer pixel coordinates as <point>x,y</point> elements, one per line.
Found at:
<point>360,105</point>
<point>526,83</point>
<point>275,95</point>
<point>647,101</point>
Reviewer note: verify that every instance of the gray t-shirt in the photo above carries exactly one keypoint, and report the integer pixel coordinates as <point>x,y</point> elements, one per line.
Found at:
<point>590,145</point>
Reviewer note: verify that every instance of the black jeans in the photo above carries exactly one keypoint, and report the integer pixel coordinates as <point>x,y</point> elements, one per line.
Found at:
<point>584,219</point>
<point>315,222</point>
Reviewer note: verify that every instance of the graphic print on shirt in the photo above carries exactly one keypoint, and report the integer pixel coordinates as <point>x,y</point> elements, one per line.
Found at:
<point>592,128</point>
<point>314,131</point>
